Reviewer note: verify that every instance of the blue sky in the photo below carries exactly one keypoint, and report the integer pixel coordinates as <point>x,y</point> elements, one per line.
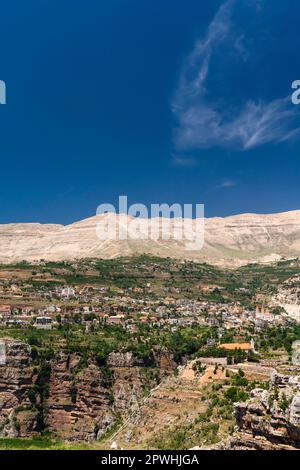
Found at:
<point>164,101</point>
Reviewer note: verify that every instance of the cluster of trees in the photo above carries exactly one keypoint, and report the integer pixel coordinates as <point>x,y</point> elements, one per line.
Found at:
<point>279,338</point>
<point>233,356</point>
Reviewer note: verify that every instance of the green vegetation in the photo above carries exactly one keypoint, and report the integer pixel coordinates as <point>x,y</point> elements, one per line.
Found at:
<point>44,443</point>
<point>141,279</point>
<point>276,338</point>
<point>165,275</point>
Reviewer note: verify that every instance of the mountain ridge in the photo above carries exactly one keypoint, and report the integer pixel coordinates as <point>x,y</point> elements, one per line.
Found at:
<point>228,241</point>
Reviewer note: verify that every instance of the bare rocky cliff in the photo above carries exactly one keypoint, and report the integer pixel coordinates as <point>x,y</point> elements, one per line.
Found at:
<point>17,376</point>
<point>74,401</point>
<point>78,403</point>
<point>229,241</point>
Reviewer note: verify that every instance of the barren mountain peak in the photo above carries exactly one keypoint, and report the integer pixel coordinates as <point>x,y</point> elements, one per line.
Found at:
<point>229,241</point>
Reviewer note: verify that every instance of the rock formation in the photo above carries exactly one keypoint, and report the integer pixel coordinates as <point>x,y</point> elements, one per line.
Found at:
<point>79,401</point>
<point>17,376</point>
<point>72,401</point>
<point>270,419</point>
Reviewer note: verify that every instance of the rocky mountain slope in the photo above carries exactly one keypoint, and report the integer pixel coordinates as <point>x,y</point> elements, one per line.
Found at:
<point>81,402</point>
<point>75,401</point>
<point>176,403</point>
<point>270,419</point>
<point>229,241</point>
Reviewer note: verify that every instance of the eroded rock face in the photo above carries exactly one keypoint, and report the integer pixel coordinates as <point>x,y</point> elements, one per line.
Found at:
<point>270,419</point>
<point>79,405</point>
<point>79,401</point>
<point>83,404</point>
<point>127,389</point>
<point>17,419</point>
<point>165,361</point>
<point>123,359</point>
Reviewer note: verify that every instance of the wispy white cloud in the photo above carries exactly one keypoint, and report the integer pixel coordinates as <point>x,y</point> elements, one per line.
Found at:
<point>201,124</point>
<point>226,184</point>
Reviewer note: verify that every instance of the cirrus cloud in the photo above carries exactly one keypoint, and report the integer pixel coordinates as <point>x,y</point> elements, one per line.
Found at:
<point>200,121</point>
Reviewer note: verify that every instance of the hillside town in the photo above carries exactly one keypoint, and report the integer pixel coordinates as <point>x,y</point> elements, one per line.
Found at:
<point>141,334</point>
<point>23,305</point>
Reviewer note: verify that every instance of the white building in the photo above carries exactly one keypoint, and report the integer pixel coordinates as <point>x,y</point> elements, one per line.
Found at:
<point>67,292</point>
<point>43,323</point>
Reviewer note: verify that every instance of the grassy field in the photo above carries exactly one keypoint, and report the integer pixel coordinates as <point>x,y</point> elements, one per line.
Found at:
<point>43,443</point>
